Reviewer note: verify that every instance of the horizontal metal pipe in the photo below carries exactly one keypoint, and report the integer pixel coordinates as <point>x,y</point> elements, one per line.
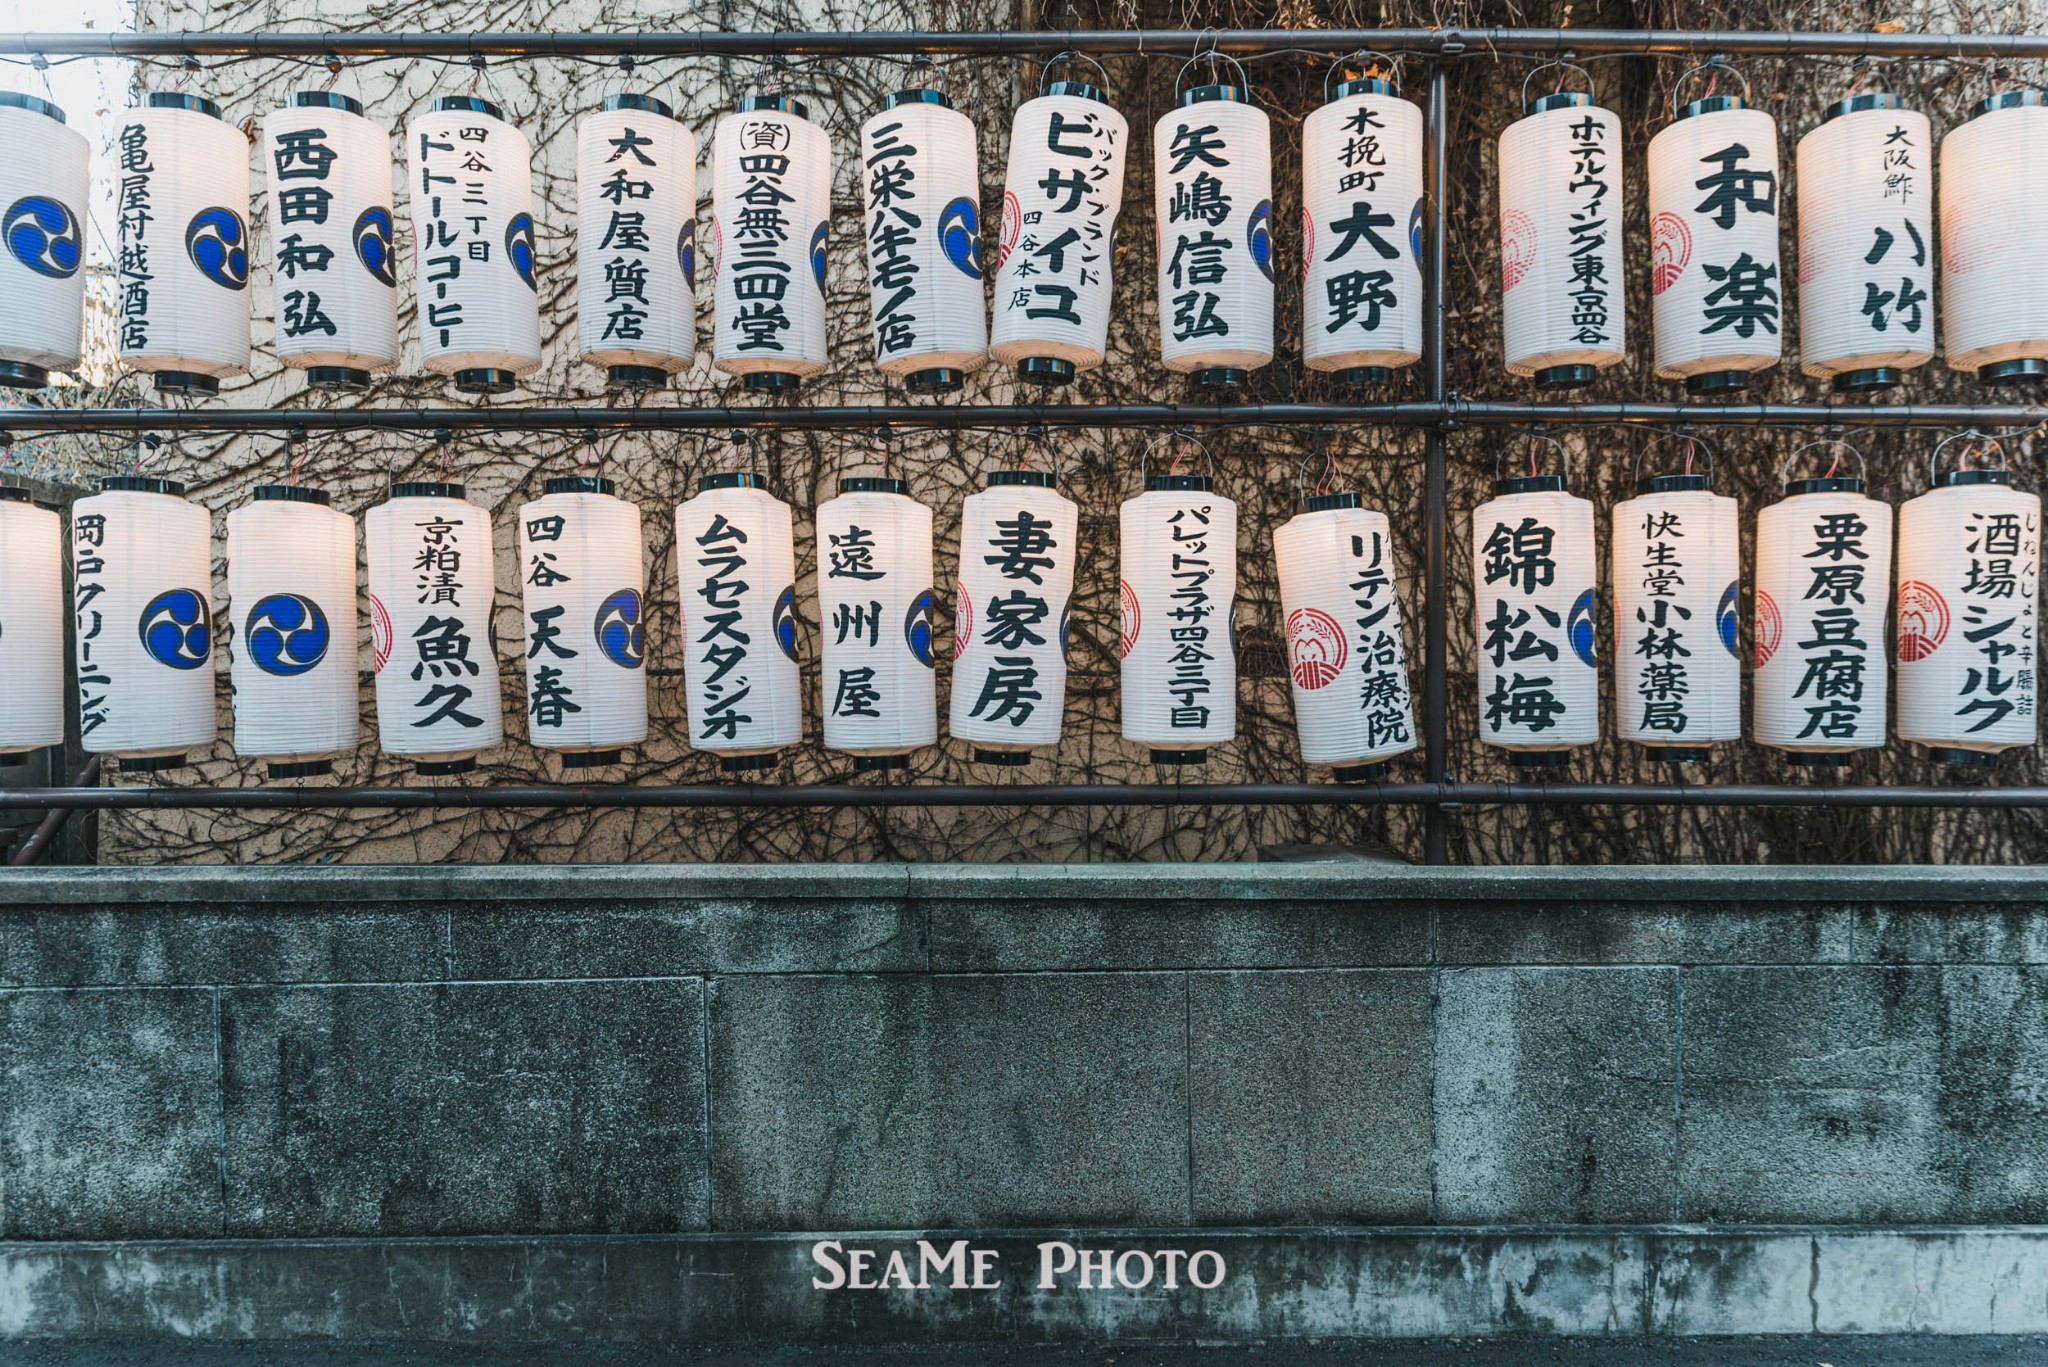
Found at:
<point>828,795</point>
<point>1012,43</point>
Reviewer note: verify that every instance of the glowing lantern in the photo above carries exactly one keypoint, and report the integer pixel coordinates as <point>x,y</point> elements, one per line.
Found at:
<point>583,583</point>
<point>736,573</point>
<point>475,269</point>
<point>636,274</point>
<point>921,187</point>
<point>334,273</point>
<point>1994,279</point>
<point>1018,539</point>
<point>1179,583</point>
<point>1213,163</point>
<point>1061,194</point>
<point>31,626</point>
<point>184,256</point>
<point>431,592</point>
<point>875,608</point>
<point>142,580</point>
<point>1533,576</point>
<point>771,195</point>
<point>43,174</point>
<point>1715,293</point>
<point>1345,661</point>
<point>1361,234</point>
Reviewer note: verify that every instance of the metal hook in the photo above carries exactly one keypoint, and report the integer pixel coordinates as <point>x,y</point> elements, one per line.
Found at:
<point>1067,59</point>
<point>1537,437</point>
<point>1980,445</point>
<point>1365,72</point>
<point>299,437</point>
<point>742,436</point>
<point>1785,466</point>
<point>1213,57</point>
<point>1185,438</point>
<point>1716,64</point>
<point>1565,61</point>
<point>1694,442</point>
<point>1321,447</point>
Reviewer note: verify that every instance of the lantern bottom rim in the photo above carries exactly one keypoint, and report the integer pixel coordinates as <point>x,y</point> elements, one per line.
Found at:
<point>1180,756</point>
<point>636,376</point>
<point>22,375</point>
<point>1717,382</point>
<point>1539,759</point>
<point>185,382</point>
<point>1679,754</point>
<point>336,377</point>
<point>1365,374</point>
<point>1817,759</point>
<point>772,381</point>
<point>1971,759</point>
<point>151,764</point>
<point>2019,370</point>
<point>1566,376</point>
<point>1214,377</point>
<point>1869,380</point>
<point>13,758</point>
<point>1007,759</point>
<point>486,380</point>
<point>748,764</point>
<point>445,768</point>
<point>310,768</point>
<point>1045,370</point>
<point>593,759</point>
<point>865,764</point>
<point>1360,773</point>
<point>943,379</point>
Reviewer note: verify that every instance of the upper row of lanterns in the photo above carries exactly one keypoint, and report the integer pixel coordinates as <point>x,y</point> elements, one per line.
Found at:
<point>1866,239</point>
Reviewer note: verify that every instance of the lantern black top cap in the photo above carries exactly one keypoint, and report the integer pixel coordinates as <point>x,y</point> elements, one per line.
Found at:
<point>1563,99</point>
<point>1970,466</point>
<point>1097,89</point>
<point>141,484</point>
<point>1710,103</point>
<point>323,99</point>
<point>1830,481</point>
<point>465,104</point>
<point>729,479</point>
<point>178,99</point>
<point>873,484</point>
<point>773,104</point>
<point>14,493</point>
<point>1031,479</point>
<point>1560,98</point>
<point>14,99</point>
<point>1856,104</point>
<point>1529,484</point>
<point>644,104</point>
<point>289,493</point>
<point>576,484</point>
<point>1323,503</point>
<point>1210,94</point>
<point>921,95</point>
<point>2008,99</point>
<point>428,488</point>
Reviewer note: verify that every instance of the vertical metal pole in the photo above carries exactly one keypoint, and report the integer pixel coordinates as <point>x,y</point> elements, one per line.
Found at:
<point>1435,647</point>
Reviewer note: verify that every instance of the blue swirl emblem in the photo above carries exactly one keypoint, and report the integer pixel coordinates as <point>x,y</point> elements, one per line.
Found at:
<point>519,248</point>
<point>785,621</point>
<point>286,635</point>
<point>373,244</point>
<point>686,251</point>
<point>218,243</point>
<point>960,235</point>
<point>1066,620</point>
<point>620,633</point>
<point>174,628</point>
<point>818,256</point>
<point>1415,230</point>
<point>917,629</point>
<point>44,236</point>
<point>1260,237</point>
<point>1725,620</point>
<point>1579,627</point>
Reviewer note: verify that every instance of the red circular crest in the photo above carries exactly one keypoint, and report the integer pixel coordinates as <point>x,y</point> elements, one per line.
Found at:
<point>963,618</point>
<point>1013,227</point>
<point>1315,648</point>
<point>1127,618</point>
<point>380,634</point>
<point>1670,251</point>
<point>1308,240</point>
<point>1517,247</point>
<point>1769,628</point>
<point>1923,620</point>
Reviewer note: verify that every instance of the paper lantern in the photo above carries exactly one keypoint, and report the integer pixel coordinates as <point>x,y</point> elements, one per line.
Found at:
<point>1716,298</point>
<point>1361,234</point>
<point>1994,279</point>
<point>43,174</point>
<point>583,583</point>
<point>1018,543</point>
<point>1866,244</point>
<point>1178,542</point>
<point>1563,304</point>
<point>181,178</point>
<point>142,582</point>
<point>1677,652</point>
<point>636,242</point>
<point>879,697</point>
<point>333,268</point>
<point>432,588</point>
<point>921,188</point>
<point>1346,663</point>
<point>1969,595</point>
<point>771,196</point>
<point>31,625</point>
<point>1533,578</point>
<point>1213,175</point>
<point>1054,255</point>
<point>736,576</point>
<point>1823,581</point>
<point>292,593</point>
<point>473,253</point>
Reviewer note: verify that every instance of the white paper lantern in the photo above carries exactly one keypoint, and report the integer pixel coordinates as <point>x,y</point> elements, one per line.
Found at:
<point>181,192</point>
<point>1563,304</point>
<point>879,695</point>
<point>1346,663</point>
<point>43,186</point>
<point>1823,582</point>
<point>771,199</point>
<point>31,626</point>
<point>1361,234</point>
<point>736,577</point>
<point>333,266</point>
<point>1213,176</point>
<point>1866,244</point>
<point>1178,585</point>
<point>1716,297</point>
<point>1677,650</point>
<point>636,242</point>
<point>1994,277</point>
<point>1969,602</point>
<point>475,268</point>
<point>292,596</point>
<point>583,583</point>
<point>142,581</point>
<point>432,587</point>
<point>1533,579</point>
<point>921,188</point>
<point>1061,194</point>
<point>1018,543</point>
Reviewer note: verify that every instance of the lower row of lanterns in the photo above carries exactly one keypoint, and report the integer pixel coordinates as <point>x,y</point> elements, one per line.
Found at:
<point>1967,593</point>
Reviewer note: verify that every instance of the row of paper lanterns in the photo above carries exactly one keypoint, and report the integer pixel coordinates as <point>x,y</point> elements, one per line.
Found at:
<point>1865,261</point>
<point>1967,586</point>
